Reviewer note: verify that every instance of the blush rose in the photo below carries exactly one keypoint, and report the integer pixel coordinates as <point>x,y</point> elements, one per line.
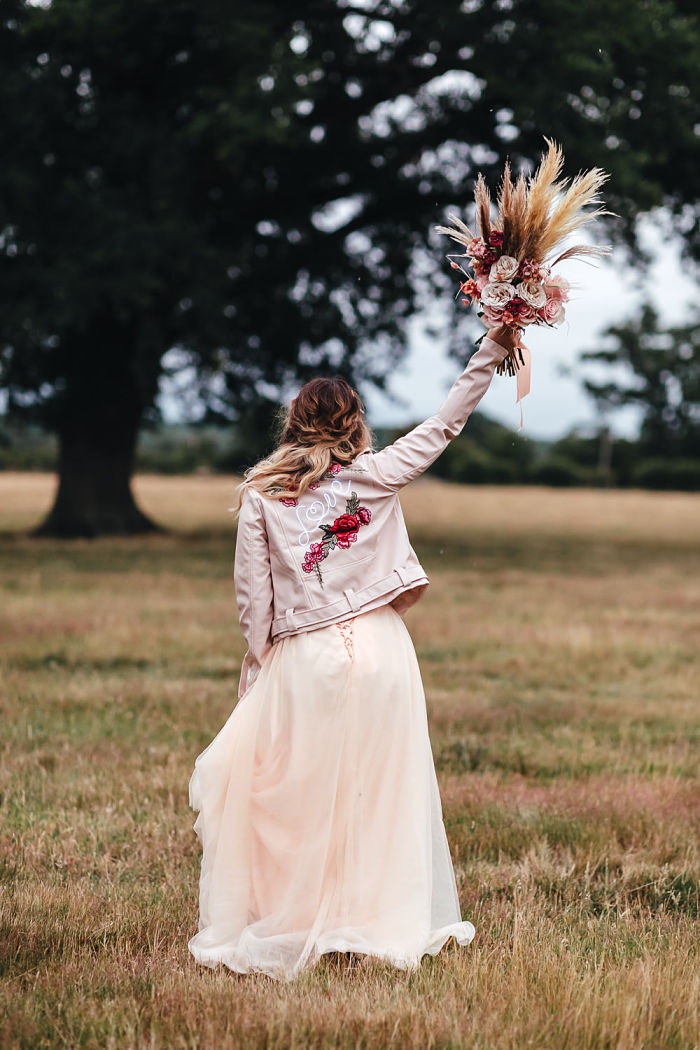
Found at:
<point>526,315</point>
<point>552,312</point>
<point>497,294</point>
<point>533,293</point>
<point>491,317</point>
<point>557,288</point>
<point>503,269</point>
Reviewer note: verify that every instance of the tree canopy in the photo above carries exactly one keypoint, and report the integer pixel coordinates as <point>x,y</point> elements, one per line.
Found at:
<point>247,189</point>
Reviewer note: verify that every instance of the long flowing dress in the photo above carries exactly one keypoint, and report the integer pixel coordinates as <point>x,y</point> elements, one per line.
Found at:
<point>319,810</point>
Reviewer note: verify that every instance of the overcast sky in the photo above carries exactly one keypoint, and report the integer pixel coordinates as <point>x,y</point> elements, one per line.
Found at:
<point>607,293</point>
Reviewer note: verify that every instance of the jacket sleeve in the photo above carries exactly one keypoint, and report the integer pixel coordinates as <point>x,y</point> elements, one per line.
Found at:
<point>253,583</point>
<point>410,455</point>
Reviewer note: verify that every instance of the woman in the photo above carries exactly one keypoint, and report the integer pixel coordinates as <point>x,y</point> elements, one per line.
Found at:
<point>319,810</point>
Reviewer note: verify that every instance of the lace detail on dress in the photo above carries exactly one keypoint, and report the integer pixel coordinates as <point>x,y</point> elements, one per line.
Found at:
<point>345,628</point>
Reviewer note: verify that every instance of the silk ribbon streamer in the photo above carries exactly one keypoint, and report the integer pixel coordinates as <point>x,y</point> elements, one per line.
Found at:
<point>523,379</point>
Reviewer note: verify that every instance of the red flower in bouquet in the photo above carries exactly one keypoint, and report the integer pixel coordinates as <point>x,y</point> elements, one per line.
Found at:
<point>470,288</point>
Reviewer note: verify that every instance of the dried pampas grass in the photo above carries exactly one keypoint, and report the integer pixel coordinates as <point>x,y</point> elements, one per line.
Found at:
<point>537,214</point>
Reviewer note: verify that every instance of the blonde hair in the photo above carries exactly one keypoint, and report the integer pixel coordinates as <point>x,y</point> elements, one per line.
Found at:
<point>324,423</point>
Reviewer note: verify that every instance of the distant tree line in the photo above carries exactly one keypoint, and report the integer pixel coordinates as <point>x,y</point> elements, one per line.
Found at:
<point>491,454</point>
<point>486,453</point>
<point>660,375</point>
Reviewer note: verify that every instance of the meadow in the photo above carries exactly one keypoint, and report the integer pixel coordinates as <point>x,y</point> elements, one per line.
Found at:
<point>559,648</point>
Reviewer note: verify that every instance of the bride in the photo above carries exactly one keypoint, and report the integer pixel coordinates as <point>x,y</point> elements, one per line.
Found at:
<point>319,812</point>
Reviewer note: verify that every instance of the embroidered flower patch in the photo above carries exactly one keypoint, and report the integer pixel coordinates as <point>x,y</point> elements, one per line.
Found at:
<point>342,533</point>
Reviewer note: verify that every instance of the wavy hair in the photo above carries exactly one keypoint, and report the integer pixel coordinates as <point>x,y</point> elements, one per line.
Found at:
<point>324,422</point>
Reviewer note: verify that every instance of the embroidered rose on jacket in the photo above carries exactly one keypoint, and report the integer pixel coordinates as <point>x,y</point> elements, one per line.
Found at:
<point>314,554</point>
<point>289,501</point>
<point>345,528</point>
<point>341,534</point>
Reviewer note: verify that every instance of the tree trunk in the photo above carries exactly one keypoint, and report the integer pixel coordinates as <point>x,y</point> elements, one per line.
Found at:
<point>94,496</point>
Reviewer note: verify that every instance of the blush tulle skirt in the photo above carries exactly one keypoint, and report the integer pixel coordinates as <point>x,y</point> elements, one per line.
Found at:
<point>319,811</point>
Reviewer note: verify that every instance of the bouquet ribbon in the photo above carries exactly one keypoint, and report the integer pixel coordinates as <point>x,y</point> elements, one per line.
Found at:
<point>522,378</point>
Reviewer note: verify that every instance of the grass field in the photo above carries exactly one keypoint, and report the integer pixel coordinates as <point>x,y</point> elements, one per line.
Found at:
<point>559,649</point>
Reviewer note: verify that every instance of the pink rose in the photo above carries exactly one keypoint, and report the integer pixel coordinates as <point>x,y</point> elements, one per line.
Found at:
<point>552,312</point>
<point>558,288</point>
<point>346,538</point>
<point>334,468</point>
<point>482,281</point>
<point>526,315</point>
<point>289,501</point>
<point>314,554</point>
<point>364,514</point>
<point>492,317</point>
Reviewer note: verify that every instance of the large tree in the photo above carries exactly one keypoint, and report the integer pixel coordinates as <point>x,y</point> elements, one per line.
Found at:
<point>246,189</point>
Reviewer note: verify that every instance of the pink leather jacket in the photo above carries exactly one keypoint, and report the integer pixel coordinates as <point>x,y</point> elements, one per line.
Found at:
<point>343,548</point>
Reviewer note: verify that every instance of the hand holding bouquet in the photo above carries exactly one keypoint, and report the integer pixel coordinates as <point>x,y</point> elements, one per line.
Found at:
<point>508,267</point>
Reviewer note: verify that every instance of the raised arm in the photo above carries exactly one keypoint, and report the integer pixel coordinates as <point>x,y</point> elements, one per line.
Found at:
<point>410,455</point>
<point>253,582</point>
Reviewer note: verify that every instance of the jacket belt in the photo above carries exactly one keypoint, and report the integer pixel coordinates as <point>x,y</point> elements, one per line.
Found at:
<point>351,600</point>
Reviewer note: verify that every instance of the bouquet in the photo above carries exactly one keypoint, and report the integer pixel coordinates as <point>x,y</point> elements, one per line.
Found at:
<point>509,266</point>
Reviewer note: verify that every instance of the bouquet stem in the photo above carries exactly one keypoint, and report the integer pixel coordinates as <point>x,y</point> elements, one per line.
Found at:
<point>510,364</point>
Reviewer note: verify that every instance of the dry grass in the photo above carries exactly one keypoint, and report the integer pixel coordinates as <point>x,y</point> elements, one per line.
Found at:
<point>558,643</point>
